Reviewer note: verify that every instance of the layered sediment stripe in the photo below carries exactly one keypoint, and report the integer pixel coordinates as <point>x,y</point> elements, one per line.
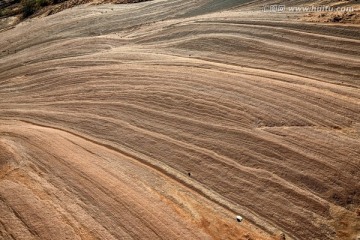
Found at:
<point>263,114</point>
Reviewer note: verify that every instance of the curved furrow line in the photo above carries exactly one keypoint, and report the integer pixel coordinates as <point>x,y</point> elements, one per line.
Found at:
<point>270,205</point>
<point>240,150</point>
<point>85,189</point>
<point>254,96</point>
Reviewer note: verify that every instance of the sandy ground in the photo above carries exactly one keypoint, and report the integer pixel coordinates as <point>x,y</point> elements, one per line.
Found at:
<point>105,110</point>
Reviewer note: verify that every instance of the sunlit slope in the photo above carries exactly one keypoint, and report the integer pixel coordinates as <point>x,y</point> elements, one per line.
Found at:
<point>113,106</point>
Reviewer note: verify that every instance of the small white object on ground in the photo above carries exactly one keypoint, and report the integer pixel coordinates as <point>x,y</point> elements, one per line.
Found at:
<point>239,218</point>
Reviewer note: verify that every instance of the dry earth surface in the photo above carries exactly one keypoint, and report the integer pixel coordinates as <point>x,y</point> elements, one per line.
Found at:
<point>166,119</point>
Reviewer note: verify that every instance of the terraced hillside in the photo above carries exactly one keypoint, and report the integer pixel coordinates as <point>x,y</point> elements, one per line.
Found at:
<point>167,119</point>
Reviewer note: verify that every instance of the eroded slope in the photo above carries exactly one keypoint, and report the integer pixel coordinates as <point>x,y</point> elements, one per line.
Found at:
<point>262,111</point>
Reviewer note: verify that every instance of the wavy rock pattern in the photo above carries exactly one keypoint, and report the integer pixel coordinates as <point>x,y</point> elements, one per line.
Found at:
<point>106,109</point>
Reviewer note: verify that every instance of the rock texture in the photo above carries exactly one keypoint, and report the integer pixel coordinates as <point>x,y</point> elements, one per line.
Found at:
<point>105,110</point>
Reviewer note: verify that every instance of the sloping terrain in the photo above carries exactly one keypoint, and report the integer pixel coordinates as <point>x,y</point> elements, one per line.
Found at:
<point>167,119</point>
